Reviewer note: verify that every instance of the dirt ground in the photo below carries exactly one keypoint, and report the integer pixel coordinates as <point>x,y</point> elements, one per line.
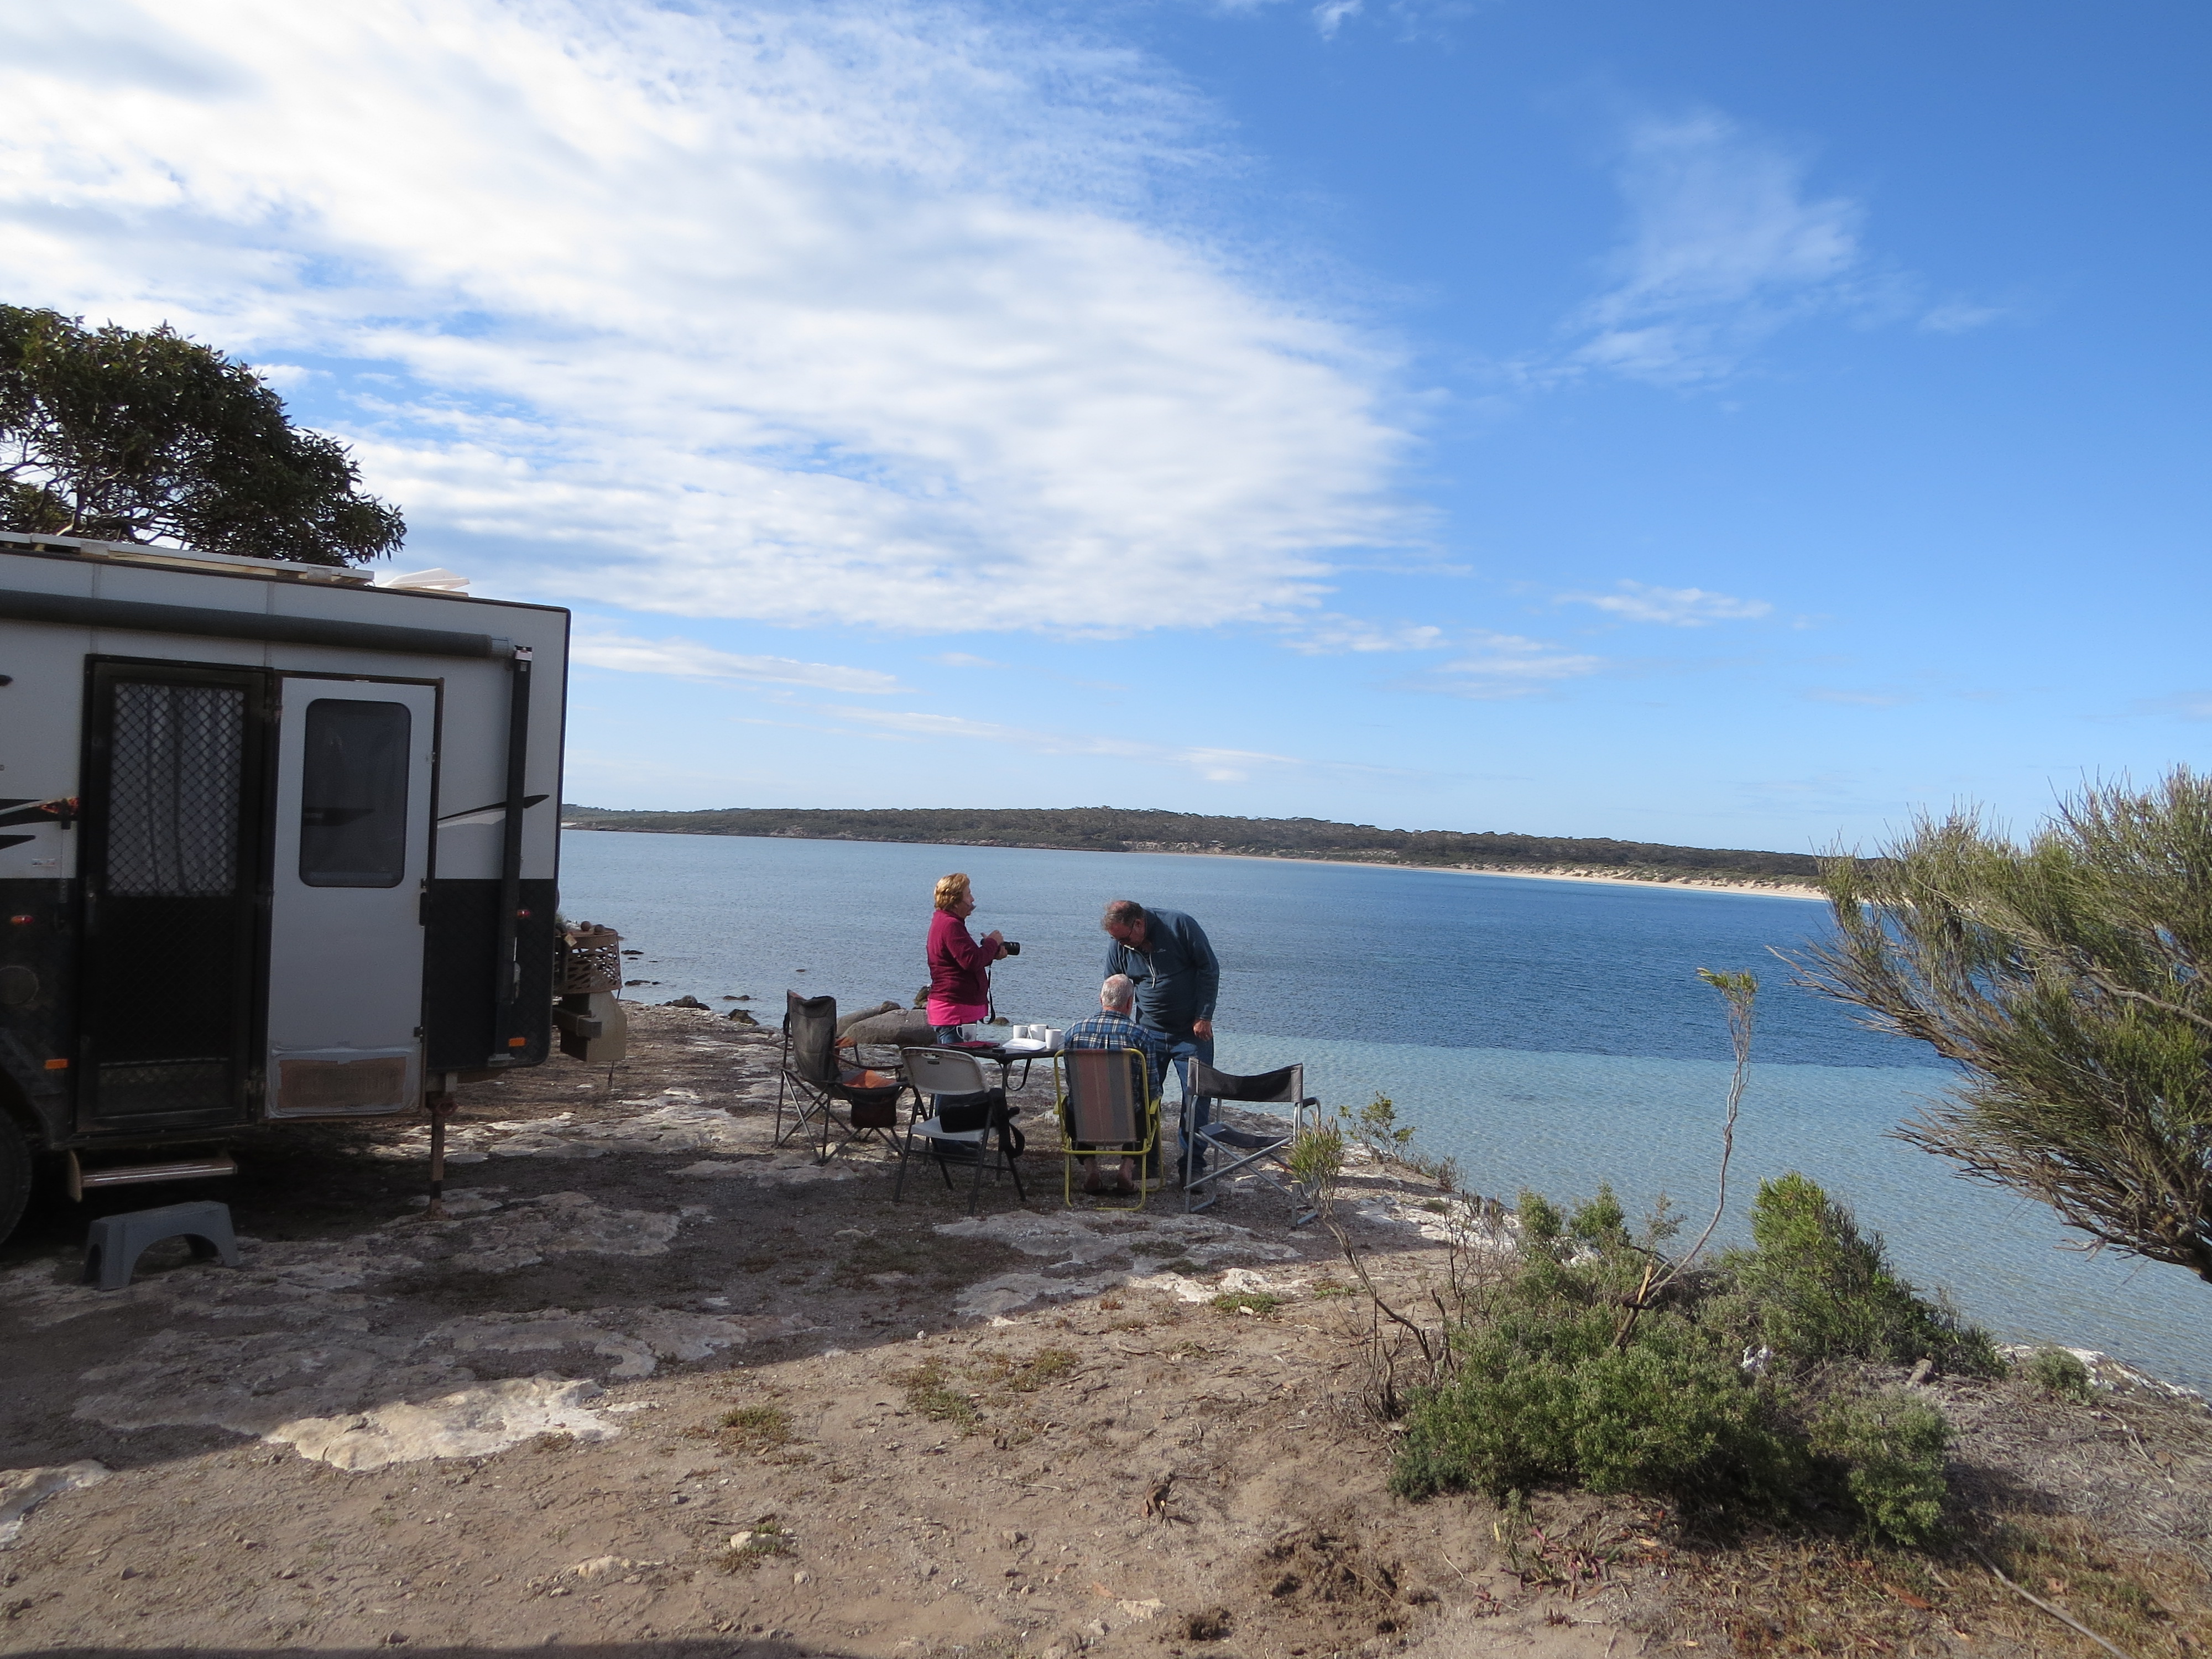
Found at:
<point>655,1386</point>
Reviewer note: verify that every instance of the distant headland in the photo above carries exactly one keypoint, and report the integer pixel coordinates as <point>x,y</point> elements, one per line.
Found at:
<point>1120,829</point>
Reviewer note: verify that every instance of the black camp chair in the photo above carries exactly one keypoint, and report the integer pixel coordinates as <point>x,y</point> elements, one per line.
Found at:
<point>1262,1153</point>
<point>818,1086</point>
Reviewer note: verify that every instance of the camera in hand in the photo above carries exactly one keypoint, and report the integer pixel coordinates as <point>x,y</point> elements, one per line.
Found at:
<point>1010,947</point>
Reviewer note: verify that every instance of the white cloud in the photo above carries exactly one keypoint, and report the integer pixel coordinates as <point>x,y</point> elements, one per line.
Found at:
<point>690,660</point>
<point>1215,765</point>
<point>1678,607</point>
<point>1329,15</point>
<point>1508,665</point>
<point>1328,636</point>
<point>1725,245</point>
<point>964,659</point>
<point>792,311</point>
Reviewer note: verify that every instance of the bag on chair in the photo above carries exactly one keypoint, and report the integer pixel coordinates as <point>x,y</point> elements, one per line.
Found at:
<point>962,1114</point>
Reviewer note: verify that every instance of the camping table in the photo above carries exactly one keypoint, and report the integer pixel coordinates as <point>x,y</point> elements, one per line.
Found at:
<point>1005,1058</point>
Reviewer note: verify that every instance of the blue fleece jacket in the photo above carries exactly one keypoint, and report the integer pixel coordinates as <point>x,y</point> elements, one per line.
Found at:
<point>1178,977</point>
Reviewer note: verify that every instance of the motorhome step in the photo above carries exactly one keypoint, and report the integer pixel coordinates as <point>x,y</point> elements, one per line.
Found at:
<point>210,1167</point>
<point>115,1242</point>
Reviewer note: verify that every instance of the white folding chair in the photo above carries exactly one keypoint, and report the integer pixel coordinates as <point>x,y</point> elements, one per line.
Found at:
<point>953,1082</point>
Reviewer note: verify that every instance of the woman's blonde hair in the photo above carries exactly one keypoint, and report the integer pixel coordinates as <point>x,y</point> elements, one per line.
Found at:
<point>951,889</point>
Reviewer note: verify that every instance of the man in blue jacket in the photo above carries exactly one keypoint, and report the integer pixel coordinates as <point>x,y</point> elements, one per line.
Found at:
<point>1178,978</point>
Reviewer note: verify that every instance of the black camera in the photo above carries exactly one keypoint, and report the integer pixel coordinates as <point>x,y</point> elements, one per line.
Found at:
<point>1010,947</point>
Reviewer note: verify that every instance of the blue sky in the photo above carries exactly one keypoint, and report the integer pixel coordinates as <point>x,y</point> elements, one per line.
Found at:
<point>1725,423</point>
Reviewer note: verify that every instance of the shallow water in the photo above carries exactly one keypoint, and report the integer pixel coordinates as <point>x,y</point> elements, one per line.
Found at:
<point>1544,1034</point>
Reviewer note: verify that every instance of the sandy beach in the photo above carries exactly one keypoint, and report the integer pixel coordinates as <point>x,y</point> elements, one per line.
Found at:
<point>1595,878</point>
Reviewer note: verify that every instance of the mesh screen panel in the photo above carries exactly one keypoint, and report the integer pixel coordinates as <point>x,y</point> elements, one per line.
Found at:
<point>130,1088</point>
<point>173,781</point>
<point>313,1086</point>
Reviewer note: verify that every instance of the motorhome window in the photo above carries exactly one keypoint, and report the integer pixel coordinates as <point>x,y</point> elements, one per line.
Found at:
<point>174,778</point>
<point>353,795</point>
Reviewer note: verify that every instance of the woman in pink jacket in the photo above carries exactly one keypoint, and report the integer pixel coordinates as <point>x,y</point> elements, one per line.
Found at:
<point>959,966</point>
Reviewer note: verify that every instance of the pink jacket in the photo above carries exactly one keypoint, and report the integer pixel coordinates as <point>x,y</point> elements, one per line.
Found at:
<point>959,977</point>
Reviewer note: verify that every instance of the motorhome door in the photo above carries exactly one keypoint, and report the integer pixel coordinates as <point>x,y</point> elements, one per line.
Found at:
<point>353,796</point>
<point>173,806</point>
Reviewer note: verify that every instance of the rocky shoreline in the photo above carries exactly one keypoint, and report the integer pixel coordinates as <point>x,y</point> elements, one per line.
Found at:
<point>656,1383</point>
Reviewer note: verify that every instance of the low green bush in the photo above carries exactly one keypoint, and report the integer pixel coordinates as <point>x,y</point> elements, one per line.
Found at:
<point>1571,1371</point>
<point>1545,1396</point>
<point>2055,1370</point>
<point>1891,1447</point>
<point>1555,1384</point>
<point>1541,1223</point>
<point>1816,1289</point>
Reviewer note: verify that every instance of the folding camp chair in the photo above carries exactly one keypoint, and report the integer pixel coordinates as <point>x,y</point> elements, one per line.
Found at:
<point>818,1085</point>
<point>954,1087</point>
<point>1262,1153</point>
<point>1108,1109</point>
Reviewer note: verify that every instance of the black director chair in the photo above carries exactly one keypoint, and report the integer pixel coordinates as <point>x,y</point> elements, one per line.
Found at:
<point>1263,1154</point>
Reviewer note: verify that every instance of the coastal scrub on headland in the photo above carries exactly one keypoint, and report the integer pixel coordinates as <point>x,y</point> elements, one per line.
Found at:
<point>1117,829</point>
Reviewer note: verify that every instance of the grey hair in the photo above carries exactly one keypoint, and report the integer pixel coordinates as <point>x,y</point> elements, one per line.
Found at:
<point>1118,992</point>
<point>1123,913</point>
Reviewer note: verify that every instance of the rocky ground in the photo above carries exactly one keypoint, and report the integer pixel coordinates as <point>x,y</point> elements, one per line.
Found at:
<point>656,1386</point>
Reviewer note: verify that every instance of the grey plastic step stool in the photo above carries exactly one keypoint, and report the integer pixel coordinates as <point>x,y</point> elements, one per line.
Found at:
<point>116,1242</point>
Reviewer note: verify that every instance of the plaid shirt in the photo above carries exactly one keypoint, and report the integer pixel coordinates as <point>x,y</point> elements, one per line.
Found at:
<point>1103,1031</point>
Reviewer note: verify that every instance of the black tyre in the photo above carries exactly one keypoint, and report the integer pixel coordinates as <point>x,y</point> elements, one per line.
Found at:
<point>17,1171</point>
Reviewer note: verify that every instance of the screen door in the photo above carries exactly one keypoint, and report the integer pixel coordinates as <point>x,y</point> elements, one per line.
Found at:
<point>353,802</point>
<point>172,819</point>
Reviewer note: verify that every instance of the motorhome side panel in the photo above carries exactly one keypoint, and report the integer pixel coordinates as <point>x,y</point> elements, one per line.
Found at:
<point>41,709</point>
<point>487,998</point>
<point>480,1010</point>
<point>475,1008</point>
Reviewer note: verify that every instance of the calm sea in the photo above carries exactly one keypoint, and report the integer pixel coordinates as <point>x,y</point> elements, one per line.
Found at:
<point>1546,1034</point>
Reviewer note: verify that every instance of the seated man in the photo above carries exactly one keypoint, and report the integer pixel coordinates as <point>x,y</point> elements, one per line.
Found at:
<point>1114,1026</point>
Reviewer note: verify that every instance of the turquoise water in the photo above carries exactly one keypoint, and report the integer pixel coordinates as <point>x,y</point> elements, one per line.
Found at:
<point>1548,1035</point>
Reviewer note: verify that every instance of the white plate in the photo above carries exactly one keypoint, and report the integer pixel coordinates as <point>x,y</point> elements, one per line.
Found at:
<point>1025,1046</point>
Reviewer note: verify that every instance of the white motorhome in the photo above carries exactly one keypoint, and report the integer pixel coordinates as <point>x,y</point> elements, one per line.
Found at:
<point>275,842</point>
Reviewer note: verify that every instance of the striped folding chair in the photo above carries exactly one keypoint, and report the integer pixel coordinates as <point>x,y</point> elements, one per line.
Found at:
<point>1108,1109</point>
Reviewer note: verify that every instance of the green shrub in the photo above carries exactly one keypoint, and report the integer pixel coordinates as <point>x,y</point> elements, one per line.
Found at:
<point>2055,1370</point>
<point>1317,1159</point>
<point>1571,1373</point>
<point>1891,1447</point>
<point>1541,1223</point>
<point>1817,1288</point>
<point>1600,1220</point>
<point>1546,1390</point>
